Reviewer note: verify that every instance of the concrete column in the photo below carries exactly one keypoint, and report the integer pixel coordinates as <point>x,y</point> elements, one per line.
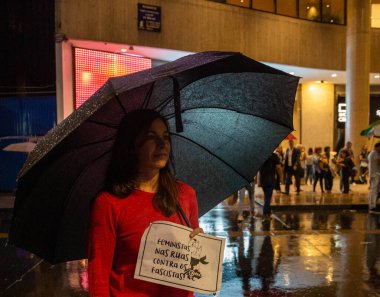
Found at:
<point>357,70</point>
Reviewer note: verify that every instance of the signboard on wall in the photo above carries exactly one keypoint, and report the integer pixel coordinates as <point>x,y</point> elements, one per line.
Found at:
<point>148,17</point>
<point>342,113</point>
<point>374,110</point>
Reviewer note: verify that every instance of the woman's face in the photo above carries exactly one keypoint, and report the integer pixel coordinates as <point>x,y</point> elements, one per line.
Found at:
<point>154,149</point>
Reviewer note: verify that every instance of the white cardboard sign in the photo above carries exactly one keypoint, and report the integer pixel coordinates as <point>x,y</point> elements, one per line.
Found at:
<point>168,256</point>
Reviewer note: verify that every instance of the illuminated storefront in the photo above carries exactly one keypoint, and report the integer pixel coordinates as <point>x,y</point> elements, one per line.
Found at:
<point>93,68</point>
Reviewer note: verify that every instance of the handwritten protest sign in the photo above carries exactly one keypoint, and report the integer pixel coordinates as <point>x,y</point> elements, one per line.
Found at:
<point>168,256</point>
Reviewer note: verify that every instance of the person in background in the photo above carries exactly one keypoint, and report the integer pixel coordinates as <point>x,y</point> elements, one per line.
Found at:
<point>350,154</point>
<point>139,189</point>
<point>374,178</point>
<point>318,168</point>
<point>309,166</point>
<point>279,176</point>
<point>348,149</point>
<point>292,167</point>
<point>326,162</point>
<point>363,163</point>
<point>267,180</point>
<point>250,188</point>
<point>302,161</point>
<point>345,163</point>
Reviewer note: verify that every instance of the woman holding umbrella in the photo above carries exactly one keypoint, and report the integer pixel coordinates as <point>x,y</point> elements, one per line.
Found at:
<point>139,189</point>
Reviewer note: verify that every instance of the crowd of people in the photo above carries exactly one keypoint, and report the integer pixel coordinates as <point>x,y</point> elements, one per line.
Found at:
<point>319,167</point>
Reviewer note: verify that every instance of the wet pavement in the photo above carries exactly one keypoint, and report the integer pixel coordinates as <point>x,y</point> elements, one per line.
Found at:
<point>313,245</point>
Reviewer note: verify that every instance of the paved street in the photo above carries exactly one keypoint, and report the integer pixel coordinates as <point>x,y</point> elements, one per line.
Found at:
<point>313,245</point>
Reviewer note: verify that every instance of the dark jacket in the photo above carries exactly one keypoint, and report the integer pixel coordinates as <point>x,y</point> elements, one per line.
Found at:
<point>295,157</point>
<point>268,170</point>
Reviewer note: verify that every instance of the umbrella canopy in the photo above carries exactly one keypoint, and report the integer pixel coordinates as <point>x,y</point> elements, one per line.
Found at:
<point>217,104</point>
<point>22,147</point>
<point>372,130</point>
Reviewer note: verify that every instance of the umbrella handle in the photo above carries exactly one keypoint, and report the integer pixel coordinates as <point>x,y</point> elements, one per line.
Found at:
<point>183,215</point>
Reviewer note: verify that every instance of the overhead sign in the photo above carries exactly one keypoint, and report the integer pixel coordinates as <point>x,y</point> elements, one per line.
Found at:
<point>168,256</point>
<point>149,17</point>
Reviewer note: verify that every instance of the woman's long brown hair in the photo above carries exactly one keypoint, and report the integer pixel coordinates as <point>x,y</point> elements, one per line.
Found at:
<point>122,171</point>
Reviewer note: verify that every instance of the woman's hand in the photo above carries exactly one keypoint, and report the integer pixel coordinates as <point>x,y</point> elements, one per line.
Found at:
<point>196,231</point>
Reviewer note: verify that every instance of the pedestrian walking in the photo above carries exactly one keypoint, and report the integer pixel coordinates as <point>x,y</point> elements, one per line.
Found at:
<point>302,161</point>
<point>374,178</point>
<point>250,188</point>
<point>363,164</point>
<point>267,180</point>
<point>345,163</point>
<point>318,166</point>
<point>309,166</point>
<point>292,167</point>
<point>328,171</point>
<point>280,174</point>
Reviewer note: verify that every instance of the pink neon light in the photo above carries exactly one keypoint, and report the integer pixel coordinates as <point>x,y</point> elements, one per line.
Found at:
<point>93,68</point>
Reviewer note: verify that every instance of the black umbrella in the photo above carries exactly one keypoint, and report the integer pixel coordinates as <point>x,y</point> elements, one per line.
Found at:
<point>226,111</point>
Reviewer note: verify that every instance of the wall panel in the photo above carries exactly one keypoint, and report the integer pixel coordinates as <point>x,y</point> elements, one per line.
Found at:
<point>196,25</point>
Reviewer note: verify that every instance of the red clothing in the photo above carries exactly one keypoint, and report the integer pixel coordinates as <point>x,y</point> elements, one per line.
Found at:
<point>117,225</point>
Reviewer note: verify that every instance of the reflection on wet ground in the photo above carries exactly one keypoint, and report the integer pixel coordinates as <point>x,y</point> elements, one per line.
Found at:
<point>294,253</point>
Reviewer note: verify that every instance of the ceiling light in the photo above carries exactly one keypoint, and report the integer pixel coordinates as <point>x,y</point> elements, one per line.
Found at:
<point>377,76</point>
<point>334,75</point>
<point>327,5</point>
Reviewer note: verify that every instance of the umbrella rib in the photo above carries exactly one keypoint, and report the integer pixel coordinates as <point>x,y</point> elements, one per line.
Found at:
<point>103,124</point>
<point>163,104</point>
<point>121,105</point>
<point>211,153</point>
<point>148,96</point>
<point>98,141</point>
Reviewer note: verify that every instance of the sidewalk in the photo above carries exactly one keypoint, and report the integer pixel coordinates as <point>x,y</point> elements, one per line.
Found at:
<point>309,200</point>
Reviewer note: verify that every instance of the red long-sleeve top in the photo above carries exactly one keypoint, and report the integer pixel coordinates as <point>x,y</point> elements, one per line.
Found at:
<point>117,225</point>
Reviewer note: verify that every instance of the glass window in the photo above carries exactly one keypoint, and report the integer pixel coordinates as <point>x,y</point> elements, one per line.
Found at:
<point>310,10</point>
<point>333,11</point>
<point>287,7</point>
<point>265,5</point>
<point>244,3</point>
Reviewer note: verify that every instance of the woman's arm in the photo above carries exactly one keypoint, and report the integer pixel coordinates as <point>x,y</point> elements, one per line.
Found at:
<point>194,220</point>
<point>102,241</point>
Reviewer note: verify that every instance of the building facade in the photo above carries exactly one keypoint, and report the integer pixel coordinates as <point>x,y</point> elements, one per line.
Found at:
<point>186,26</point>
